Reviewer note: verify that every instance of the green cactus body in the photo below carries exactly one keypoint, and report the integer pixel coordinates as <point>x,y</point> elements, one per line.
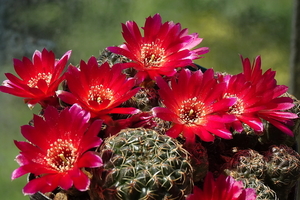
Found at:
<point>142,164</point>
<point>248,163</point>
<point>283,169</point>
<point>111,58</point>
<point>250,167</point>
<point>263,191</point>
<point>145,99</point>
<point>161,125</point>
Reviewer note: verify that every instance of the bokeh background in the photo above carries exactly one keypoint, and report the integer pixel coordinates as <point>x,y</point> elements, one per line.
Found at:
<point>229,28</point>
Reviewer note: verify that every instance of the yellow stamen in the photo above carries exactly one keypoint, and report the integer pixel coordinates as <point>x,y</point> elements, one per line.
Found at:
<point>152,58</point>
<point>191,112</point>
<point>63,157</point>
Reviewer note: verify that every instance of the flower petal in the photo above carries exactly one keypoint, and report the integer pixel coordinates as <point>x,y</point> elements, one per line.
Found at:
<point>82,182</point>
<point>90,159</point>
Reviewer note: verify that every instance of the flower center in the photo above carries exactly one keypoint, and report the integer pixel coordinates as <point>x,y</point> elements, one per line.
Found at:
<point>99,93</point>
<point>152,55</point>
<point>237,108</point>
<point>61,155</point>
<point>191,111</point>
<point>34,80</point>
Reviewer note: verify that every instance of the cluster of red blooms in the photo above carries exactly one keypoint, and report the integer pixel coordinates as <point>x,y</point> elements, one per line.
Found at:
<point>207,104</point>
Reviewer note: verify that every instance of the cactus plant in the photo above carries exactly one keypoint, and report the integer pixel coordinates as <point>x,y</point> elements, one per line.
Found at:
<point>273,174</point>
<point>263,191</point>
<point>283,169</point>
<point>248,163</point>
<point>142,164</point>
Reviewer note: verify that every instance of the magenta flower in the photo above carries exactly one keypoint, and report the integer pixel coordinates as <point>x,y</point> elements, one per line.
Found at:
<point>99,89</point>
<point>223,188</point>
<point>39,78</point>
<point>163,48</point>
<point>258,97</point>
<point>193,103</point>
<point>58,149</point>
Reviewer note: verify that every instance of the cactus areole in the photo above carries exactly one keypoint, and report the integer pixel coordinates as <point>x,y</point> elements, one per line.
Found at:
<point>142,164</point>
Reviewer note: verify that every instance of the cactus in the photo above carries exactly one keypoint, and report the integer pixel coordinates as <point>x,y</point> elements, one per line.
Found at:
<point>283,169</point>
<point>247,163</point>
<point>111,58</point>
<point>161,125</point>
<point>263,191</point>
<point>249,166</point>
<point>145,99</point>
<point>142,164</point>
<point>273,175</point>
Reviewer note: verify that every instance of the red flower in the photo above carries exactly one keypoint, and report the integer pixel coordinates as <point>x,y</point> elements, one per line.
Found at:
<point>258,97</point>
<point>39,78</point>
<point>163,48</point>
<point>58,149</point>
<point>225,188</point>
<point>99,89</point>
<point>193,104</point>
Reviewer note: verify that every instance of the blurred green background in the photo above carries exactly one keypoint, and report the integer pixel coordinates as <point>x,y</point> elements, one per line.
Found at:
<point>229,28</point>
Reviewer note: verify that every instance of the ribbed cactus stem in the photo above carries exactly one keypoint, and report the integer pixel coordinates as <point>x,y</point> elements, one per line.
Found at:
<point>142,164</point>
<point>248,163</point>
<point>283,169</point>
